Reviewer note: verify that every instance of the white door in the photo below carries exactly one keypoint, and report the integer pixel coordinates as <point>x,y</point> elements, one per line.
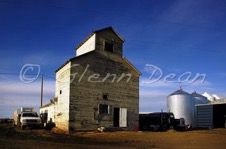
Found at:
<point>123,117</point>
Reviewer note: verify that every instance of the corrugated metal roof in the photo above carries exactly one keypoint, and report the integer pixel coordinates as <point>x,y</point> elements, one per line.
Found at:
<point>179,92</point>
<point>194,94</point>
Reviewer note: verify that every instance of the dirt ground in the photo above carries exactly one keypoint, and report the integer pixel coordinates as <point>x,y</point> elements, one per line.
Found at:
<point>11,137</point>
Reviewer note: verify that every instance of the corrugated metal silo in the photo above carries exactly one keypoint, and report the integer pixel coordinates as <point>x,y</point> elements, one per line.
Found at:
<point>199,99</point>
<point>181,104</point>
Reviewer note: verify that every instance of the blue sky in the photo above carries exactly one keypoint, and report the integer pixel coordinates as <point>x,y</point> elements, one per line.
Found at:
<point>177,36</point>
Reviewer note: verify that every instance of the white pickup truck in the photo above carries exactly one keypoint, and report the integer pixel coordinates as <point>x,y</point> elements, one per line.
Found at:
<point>24,117</point>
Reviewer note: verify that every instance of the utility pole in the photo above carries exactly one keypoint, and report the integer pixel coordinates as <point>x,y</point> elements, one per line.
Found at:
<point>41,90</point>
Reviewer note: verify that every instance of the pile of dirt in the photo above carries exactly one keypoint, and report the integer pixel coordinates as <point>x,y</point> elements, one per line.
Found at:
<point>171,131</point>
<point>56,130</point>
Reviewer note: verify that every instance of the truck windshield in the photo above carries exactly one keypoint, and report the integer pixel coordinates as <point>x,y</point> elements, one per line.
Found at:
<point>30,115</point>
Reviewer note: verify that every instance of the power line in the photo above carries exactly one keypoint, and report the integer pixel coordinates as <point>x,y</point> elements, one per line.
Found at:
<point>50,77</point>
<point>19,80</point>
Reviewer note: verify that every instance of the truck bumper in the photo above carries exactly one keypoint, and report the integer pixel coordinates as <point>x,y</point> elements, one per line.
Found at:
<point>31,124</point>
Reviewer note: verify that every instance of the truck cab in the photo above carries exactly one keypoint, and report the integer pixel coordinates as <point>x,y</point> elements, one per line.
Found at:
<point>23,117</point>
<point>29,119</point>
<point>158,121</point>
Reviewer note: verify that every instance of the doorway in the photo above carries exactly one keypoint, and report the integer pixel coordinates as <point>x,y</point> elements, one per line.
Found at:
<point>120,117</point>
<point>116,117</point>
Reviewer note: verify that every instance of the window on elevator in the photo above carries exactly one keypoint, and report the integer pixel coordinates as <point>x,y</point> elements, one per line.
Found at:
<point>103,109</point>
<point>108,46</point>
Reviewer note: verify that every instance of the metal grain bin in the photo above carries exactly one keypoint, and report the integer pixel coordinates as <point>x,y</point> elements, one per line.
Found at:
<point>181,104</point>
<point>199,99</point>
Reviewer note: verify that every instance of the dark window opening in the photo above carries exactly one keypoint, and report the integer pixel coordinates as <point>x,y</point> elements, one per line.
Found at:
<point>108,46</point>
<point>103,109</point>
<point>105,96</point>
<point>60,91</point>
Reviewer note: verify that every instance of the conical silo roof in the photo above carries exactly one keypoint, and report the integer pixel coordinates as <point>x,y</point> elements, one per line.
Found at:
<point>179,92</point>
<point>195,94</point>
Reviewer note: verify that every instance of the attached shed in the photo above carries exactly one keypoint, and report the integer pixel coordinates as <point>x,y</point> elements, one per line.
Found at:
<point>204,116</point>
<point>47,112</point>
<point>211,115</point>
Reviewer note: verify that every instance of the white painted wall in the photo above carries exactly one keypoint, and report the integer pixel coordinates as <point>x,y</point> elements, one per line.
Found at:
<point>51,112</point>
<point>88,46</point>
<point>62,106</point>
<point>123,117</point>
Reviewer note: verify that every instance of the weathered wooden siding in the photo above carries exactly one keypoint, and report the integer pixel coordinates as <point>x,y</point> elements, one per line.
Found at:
<point>92,74</point>
<point>87,93</point>
<point>110,37</point>
<point>63,94</point>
